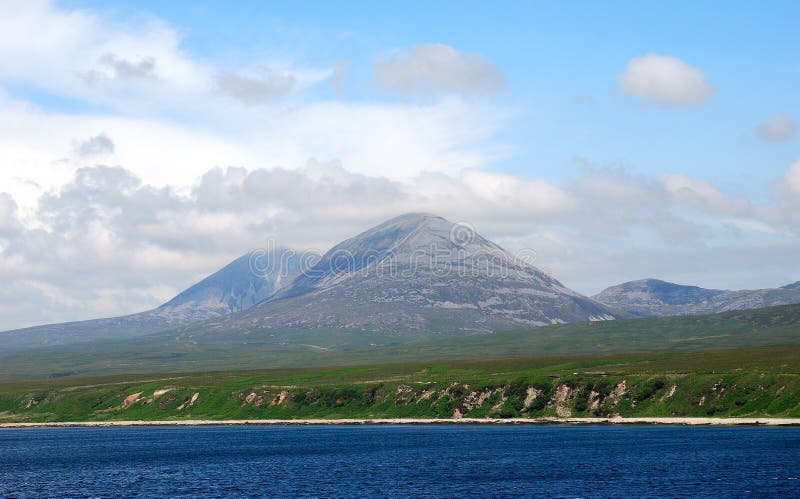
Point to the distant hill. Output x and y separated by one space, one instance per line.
165 352
233 288
652 297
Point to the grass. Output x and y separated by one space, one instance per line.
756 382
272 348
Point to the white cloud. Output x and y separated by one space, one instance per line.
139 72
171 118
254 90
112 68
339 75
8 215
665 80
793 177
777 128
437 68
99 145
393 140
88 55
134 65
702 195
518 196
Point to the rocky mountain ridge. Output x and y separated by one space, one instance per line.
653 297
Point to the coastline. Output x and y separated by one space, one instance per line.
677 421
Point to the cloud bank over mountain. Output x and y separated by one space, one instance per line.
107 243
135 158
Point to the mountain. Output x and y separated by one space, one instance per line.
233 288
652 297
237 286
417 273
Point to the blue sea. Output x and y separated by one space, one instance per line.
400 461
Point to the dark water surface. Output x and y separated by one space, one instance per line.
401 461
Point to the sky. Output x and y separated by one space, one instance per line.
145 144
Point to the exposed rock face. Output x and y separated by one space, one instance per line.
420 273
131 399
651 297
238 286
189 402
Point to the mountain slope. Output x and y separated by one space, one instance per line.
415 274
233 288
237 286
652 297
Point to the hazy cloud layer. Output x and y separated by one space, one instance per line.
777 128
665 80
437 68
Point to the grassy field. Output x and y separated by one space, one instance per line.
261 349
760 382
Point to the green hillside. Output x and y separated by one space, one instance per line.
755 382
272 348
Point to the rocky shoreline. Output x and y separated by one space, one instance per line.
689 421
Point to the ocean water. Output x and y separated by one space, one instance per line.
400 461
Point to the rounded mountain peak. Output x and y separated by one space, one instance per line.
414 232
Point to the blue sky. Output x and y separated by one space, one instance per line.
619 140
551 54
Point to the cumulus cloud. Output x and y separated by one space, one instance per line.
8 215
665 80
253 90
777 128
614 203
114 68
437 68
394 140
702 195
528 197
793 177
98 145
